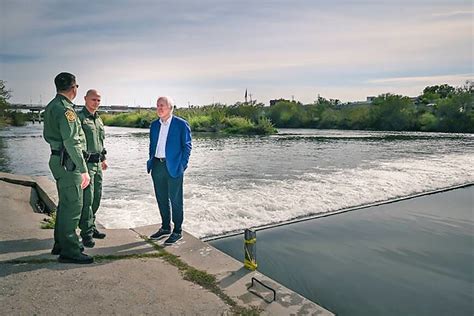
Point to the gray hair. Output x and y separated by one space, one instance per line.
168 100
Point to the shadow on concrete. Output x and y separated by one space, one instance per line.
233 277
36 262
22 245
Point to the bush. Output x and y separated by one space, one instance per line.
201 123
428 122
237 125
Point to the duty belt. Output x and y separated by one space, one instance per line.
88 157
92 157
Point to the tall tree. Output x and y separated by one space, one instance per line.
4 96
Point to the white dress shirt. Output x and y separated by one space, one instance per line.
161 146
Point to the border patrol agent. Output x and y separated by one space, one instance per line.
62 130
93 128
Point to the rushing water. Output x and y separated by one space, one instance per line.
238 182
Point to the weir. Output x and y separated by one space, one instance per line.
344 210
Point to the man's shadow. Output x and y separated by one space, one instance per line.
44 259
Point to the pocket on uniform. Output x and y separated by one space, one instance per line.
55 166
72 193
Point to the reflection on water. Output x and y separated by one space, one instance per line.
407 258
4 159
237 182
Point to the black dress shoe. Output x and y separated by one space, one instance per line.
81 259
88 242
97 234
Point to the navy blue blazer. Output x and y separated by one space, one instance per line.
178 146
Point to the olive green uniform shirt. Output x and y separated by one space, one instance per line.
93 129
62 128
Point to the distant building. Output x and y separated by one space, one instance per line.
371 98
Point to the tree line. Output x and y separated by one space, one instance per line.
440 108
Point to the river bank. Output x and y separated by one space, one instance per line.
131 274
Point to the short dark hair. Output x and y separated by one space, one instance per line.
64 81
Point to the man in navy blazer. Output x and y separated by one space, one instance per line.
170 148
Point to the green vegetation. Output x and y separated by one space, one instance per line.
440 108
134 119
9 117
48 223
247 119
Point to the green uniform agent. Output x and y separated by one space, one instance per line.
62 130
93 128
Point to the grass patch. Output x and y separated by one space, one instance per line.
48 223
31 261
152 255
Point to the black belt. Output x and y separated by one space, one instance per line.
89 157
92 157
160 159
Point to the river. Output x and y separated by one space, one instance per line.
238 182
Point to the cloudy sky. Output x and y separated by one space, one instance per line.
205 51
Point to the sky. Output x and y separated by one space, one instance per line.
204 52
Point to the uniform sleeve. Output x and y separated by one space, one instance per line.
69 126
102 133
186 144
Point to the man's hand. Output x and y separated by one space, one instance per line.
104 165
85 180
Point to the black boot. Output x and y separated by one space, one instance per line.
81 259
97 234
88 242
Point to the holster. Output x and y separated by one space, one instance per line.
66 160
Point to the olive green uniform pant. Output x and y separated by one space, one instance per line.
92 197
69 209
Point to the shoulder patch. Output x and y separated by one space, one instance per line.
70 115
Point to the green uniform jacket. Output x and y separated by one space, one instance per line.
93 129
62 128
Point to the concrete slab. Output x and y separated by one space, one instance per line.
17 179
120 242
235 280
20 233
47 192
131 287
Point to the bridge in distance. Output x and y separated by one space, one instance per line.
37 108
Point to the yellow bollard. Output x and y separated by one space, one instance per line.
250 249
